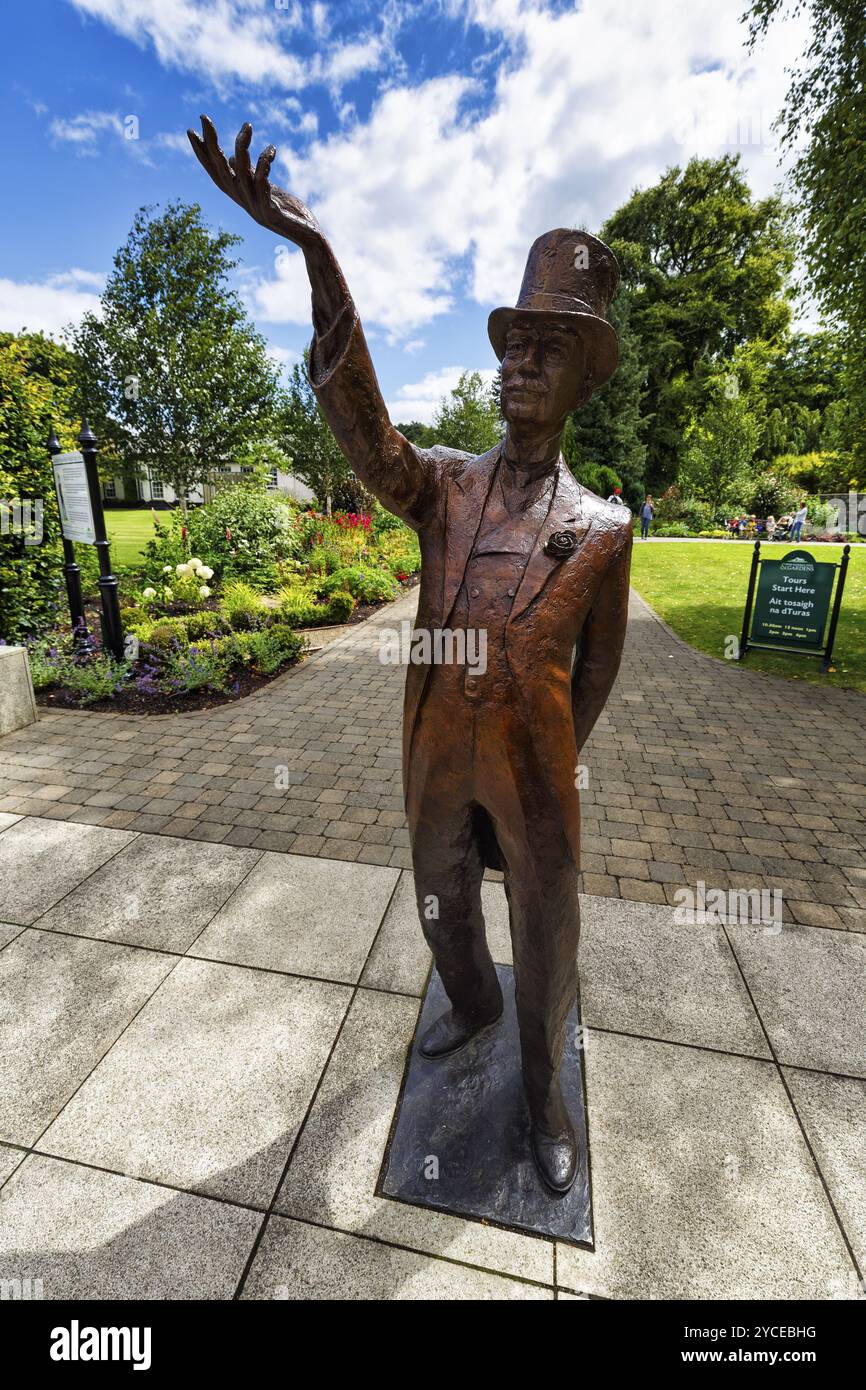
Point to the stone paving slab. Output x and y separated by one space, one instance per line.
833 1112
698 769
703 1186
208 1088
63 1002
89 1234
157 892
810 988
310 1262
302 915
41 861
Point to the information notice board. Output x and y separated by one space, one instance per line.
790 605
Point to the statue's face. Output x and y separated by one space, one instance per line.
543 373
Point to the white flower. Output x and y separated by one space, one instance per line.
205 572
182 571
148 593
204 591
166 569
195 564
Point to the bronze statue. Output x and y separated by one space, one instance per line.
512 545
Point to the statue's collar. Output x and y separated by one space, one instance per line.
528 465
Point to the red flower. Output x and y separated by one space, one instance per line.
228 534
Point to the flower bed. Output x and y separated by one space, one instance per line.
197 634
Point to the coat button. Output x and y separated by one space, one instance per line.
511 593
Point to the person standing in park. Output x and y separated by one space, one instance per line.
647 512
616 497
799 522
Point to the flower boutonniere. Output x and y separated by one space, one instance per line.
561 544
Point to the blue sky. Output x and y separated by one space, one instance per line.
434 139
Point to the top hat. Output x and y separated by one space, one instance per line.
570 279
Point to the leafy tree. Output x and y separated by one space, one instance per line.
705 266
823 121
316 456
172 374
35 395
608 429
468 419
416 433
720 447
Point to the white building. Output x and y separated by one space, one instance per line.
155 491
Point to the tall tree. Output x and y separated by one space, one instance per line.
172 373
469 418
823 120
608 429
306 436
706 267
720 446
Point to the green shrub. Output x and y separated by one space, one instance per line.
241 605
97 678
676 531
243 534
323 560
367 585
167 634
205 624
340 607
47 659
300 610
132 616
271 648
205 665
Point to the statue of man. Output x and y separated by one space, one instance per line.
511 546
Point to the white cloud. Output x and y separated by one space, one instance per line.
441 191
231 40
48 306
283 356
86 128
420 399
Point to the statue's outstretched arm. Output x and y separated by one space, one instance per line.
341 371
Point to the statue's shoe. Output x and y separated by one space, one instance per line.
555 1157
451 1032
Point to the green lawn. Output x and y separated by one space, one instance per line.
128 529
700 589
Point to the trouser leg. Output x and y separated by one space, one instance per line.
545 926
541 887
448 867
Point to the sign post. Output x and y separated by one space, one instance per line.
71 572
788 604
82 519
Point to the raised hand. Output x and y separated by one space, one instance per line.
252 189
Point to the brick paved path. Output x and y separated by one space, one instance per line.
698 770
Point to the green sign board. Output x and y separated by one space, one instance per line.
792 602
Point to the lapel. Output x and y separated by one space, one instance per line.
565 513
467 495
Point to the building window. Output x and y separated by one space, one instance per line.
272 480
109 488
157 490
